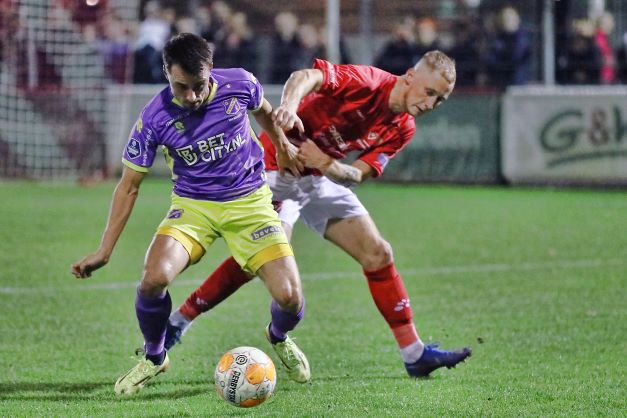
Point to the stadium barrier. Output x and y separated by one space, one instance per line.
458 143
565 135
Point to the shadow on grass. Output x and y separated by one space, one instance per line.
103 391
351 377
61 391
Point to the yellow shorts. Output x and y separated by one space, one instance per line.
249 225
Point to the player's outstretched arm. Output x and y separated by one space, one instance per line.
287 153
122 204
344 174
300 84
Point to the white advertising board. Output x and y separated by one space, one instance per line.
565 135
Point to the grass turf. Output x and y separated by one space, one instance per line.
533 279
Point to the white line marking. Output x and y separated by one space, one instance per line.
427 271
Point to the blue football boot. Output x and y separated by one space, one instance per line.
432 358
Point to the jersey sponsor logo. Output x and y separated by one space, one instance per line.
335 135
134 148
139 125
175 213
178 118
265 231
210 149
231 106
187 154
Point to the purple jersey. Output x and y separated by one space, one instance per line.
212 151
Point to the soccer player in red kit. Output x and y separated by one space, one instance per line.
329 111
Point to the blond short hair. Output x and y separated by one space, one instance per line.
439 61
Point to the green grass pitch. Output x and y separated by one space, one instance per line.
534 280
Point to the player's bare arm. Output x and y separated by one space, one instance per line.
122 204
287 153
300 84
334 170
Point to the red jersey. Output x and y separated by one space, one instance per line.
350 112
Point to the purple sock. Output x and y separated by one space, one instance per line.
152 314
282 322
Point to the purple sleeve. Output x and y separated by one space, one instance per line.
140 151
256 94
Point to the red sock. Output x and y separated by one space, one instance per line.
222 283
390 296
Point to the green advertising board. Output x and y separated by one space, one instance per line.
456 143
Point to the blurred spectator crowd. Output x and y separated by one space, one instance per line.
293 44
490 51
497 51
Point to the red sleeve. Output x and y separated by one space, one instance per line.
348 81
393 139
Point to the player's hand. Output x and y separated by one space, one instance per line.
313 157
288 160
83 269
286 118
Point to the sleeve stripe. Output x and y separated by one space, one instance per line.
134 166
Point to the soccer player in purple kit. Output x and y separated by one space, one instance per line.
219 191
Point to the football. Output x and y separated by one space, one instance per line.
245 377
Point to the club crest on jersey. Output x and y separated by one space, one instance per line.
231 106
180 128
134 148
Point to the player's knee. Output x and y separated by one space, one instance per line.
378 255
289 300
155 279
151 289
